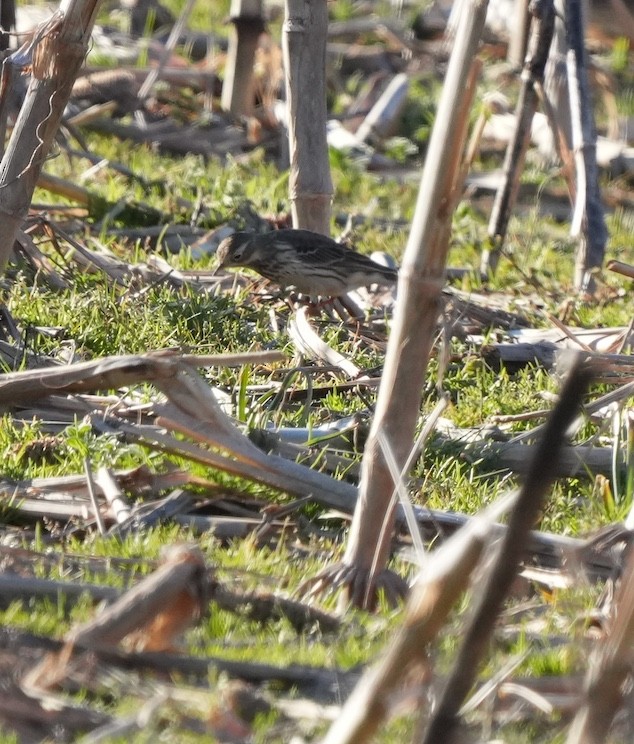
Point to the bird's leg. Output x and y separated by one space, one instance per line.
342 307
350 307
295 300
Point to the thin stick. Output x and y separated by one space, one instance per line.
93 497
176 31
533 72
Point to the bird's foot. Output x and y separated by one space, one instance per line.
315 305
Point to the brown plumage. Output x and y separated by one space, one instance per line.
309 262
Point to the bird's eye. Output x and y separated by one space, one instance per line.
237 254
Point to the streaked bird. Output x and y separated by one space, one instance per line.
306 261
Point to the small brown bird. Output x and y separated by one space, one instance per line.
309 262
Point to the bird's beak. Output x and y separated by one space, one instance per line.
217 268
219 264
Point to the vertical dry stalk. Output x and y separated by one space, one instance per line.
238 87
608 669
518 43
421 280
556 83
532 74
304 43
442 726
588 220
57 57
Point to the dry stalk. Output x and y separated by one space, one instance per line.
421 280
532 74
444 722
92 493
119 504
238 88
622 268
304 44
193 410
110 373
21 588
193 413
588 221
56 55
309 342
276 472
518 42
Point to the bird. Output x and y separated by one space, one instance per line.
309 262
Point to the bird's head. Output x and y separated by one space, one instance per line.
236 250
